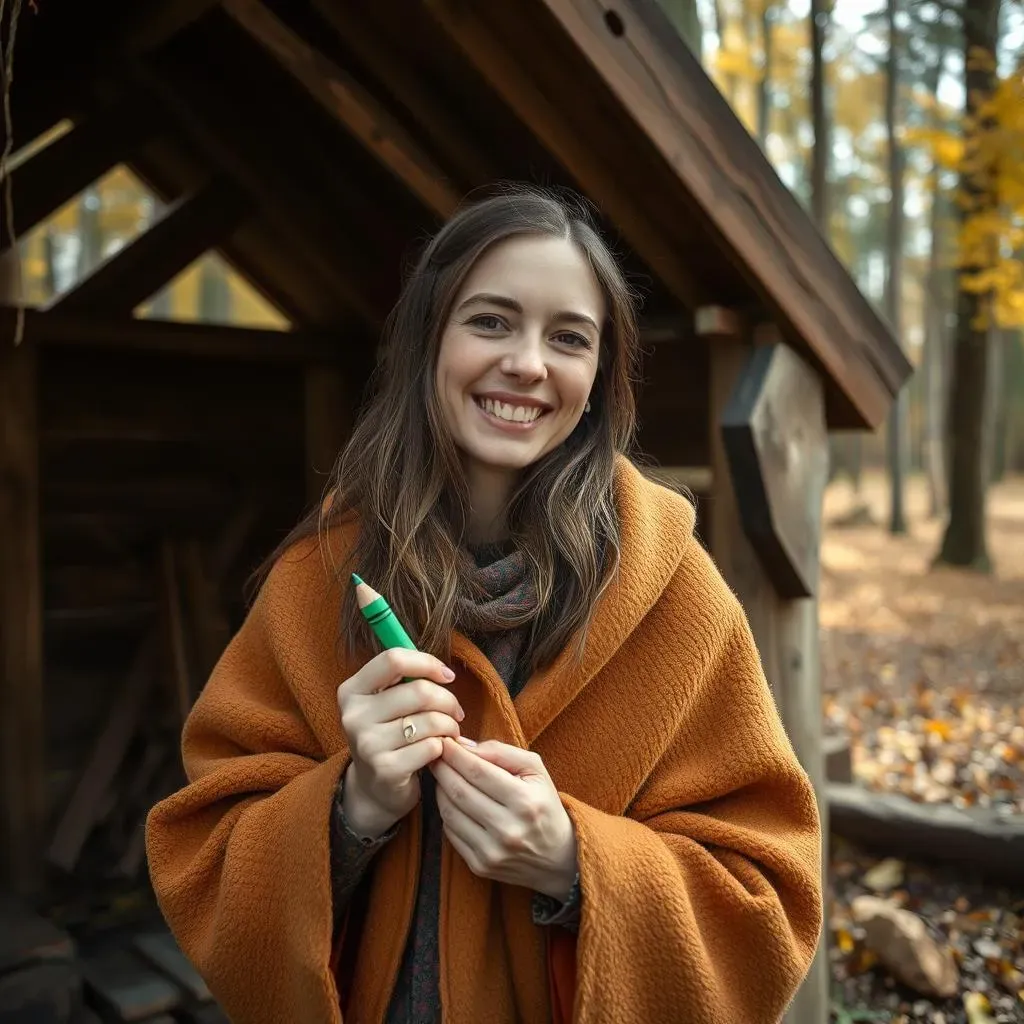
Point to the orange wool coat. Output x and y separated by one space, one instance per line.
698 834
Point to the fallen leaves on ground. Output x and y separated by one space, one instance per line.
924 670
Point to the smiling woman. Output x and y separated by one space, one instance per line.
575 800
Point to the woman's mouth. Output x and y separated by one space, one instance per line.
509 414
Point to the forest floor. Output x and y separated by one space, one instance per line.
924 669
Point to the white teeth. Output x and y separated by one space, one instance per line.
513 413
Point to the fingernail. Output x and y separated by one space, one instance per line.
461 715
467 742
448 674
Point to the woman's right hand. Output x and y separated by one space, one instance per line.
381 783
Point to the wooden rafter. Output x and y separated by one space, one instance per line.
215 128
344 99
410 90
207 341
56 174
189 228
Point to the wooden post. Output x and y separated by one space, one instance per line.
22 737
785 627
330 414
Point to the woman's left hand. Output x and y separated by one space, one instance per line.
503 815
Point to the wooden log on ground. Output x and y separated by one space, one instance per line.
976 839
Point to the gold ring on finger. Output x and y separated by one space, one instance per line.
408 729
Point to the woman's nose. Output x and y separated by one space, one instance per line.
526 359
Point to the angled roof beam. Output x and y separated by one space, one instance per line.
56 174
409 88
190 227
349 103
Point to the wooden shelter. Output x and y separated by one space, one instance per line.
146 466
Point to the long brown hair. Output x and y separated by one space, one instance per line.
400 475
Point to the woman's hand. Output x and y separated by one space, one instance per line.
503 815
394 729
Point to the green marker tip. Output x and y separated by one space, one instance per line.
356 580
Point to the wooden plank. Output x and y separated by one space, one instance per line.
22 739
54 175
349 103
659 82
108 752
206 341
507 73
189 228
410 91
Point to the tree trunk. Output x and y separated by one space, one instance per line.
964 543
996 406
896 434
819 118
764 87
934 363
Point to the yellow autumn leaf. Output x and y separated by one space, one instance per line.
942 729
977 1008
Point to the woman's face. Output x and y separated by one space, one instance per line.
519 353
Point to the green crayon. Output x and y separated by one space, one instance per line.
381 619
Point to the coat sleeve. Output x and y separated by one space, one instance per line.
711 886
240 857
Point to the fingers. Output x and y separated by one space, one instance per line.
471 801
377 741
397 765
471 841
513 759
410 698
491 779
394 665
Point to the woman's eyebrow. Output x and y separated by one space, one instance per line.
505 302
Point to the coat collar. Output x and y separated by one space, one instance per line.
656 526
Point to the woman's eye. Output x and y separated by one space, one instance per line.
573 339
488 322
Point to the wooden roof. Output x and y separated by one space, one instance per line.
314 142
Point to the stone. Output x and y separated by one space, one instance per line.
902 944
